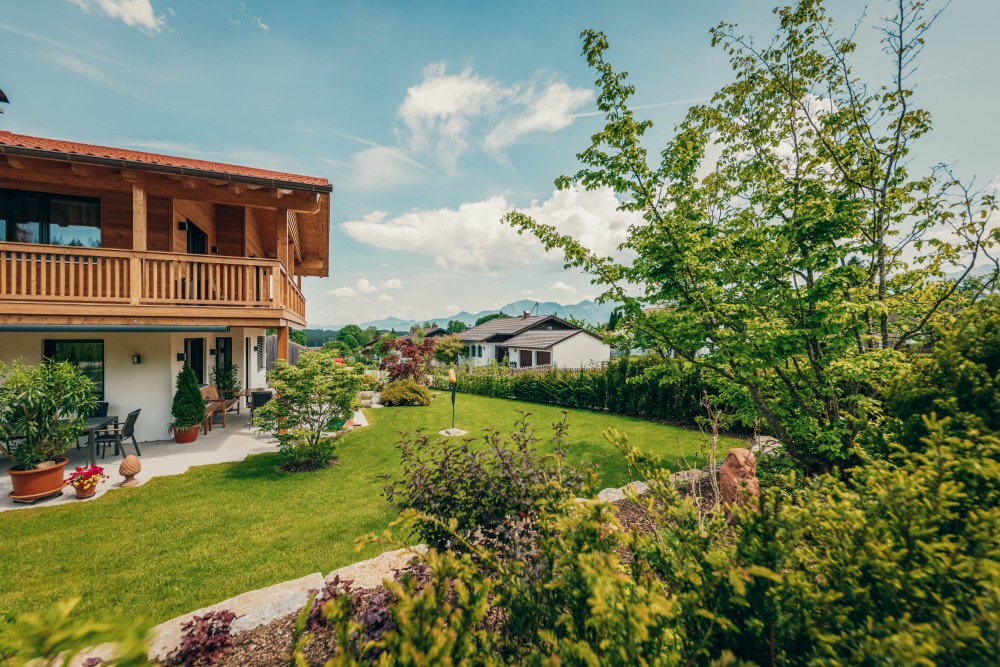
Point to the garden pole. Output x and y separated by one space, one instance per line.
454 390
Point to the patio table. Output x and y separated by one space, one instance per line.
91 426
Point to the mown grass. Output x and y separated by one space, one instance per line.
179 543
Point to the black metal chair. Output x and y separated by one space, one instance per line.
118 434
258 399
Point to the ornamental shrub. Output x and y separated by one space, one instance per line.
405 392
488 489
188 407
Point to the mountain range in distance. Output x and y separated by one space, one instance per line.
588 311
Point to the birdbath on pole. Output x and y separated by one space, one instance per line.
453 381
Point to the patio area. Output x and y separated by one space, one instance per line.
159 458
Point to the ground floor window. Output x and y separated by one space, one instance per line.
87 355
525 358
543 358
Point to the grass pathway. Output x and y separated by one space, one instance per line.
183 542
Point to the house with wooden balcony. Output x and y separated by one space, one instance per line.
132 264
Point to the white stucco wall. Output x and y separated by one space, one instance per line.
149 385
489 352
579 351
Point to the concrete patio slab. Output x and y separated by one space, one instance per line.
159 458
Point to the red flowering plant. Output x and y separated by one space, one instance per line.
87 478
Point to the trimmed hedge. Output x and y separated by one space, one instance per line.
646 387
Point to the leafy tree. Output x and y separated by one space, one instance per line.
299 337
456 326
491 316
319 337
789 249
447 349
370 334
381 348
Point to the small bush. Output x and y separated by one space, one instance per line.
188 408
205 637
489 492
370 382
405 392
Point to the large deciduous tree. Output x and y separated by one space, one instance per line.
787 247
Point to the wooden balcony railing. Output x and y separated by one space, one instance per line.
72 274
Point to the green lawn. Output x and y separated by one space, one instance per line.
183 542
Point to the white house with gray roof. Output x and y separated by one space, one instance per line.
529 341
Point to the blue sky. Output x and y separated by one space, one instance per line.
430 118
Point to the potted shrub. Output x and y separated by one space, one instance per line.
85 480
188 408
226 379
41 408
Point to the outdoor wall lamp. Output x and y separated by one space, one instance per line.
215 250
212 352
182 226
136 359
181 357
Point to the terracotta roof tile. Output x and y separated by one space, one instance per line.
127 155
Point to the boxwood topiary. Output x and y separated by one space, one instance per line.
405 392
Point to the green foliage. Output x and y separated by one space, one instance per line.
405 392
896 565
298 337
960 379
492 316
188 407
58 635
318 337
226 379
311 398
667 390
784 234
369 382
456 326
487 491
42 406
447 349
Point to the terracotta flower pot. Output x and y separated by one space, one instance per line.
38 483
85 493
184 436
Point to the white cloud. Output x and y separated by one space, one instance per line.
260 24
379 168
564 288
386 297
442 112
343 292
527 292
548 111
135 13
364 287
392 283
472 238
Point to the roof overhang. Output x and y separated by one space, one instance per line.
110 328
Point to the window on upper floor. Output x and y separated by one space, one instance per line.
38 217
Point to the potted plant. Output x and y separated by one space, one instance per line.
188 408
41 408
226 379
85 480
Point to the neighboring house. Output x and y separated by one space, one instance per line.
528 341
130 264
434 332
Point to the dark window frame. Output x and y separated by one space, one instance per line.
46 342
45 212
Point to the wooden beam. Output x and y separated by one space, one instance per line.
50 172
283 343
281 243
14 162
86 170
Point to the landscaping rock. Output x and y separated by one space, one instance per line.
372 572
689 480
738 477
252 609
615 495
765 445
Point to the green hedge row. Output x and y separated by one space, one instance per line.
644 387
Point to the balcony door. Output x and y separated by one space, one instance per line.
197 244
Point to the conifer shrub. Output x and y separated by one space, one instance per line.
405 392
188 407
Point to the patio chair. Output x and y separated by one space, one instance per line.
258 399
119 434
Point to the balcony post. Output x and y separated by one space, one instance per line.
138 240
281 225
283 343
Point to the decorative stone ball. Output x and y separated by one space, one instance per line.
130 467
